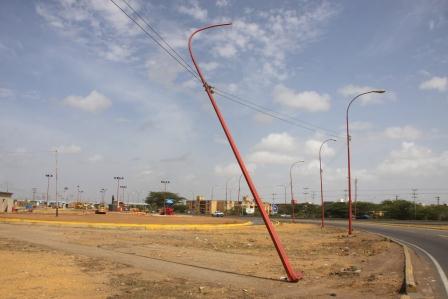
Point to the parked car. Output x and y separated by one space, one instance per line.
218 214
363 217
285 216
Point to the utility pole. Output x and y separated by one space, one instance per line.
313 196
48 185
356 194
292 276
396 197
438 200
123 187
414 196
34 194
349 180
305 193
345 194
77 196
239 191
292 189
56 182
118 178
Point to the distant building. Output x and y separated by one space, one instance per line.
7 204
202 206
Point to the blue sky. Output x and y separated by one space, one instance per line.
80 77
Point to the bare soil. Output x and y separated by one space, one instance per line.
334 265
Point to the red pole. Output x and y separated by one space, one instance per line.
292 192
292 276
321 184
350 228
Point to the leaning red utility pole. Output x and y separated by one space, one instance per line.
292 276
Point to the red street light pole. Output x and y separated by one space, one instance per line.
350 229
292 276
290 183
321 184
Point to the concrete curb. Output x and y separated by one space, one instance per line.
409 280
441 227
411 286
130 225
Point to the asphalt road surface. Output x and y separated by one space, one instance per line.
431 242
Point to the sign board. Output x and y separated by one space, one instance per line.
274 209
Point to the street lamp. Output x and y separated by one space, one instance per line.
164 195
348 159
321 184
290 183
123 187
118 178
77 188
240 204
48 185
103 191
292 276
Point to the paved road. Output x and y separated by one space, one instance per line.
433 241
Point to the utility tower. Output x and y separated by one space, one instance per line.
414 197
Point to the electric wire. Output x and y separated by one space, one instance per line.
155 40
186 64
226 95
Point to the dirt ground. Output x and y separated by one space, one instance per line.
233 263
113 217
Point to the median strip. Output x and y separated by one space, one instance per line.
130 225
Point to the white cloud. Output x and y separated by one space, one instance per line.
313 146
93 102
360 126
267 157
277 142
146 172
225 51
210 66
232 169
403 133
117 53
68 149
6 93
307 100
372 98
162 69
96 158
222 3
435 83
263 118
193 10
413 160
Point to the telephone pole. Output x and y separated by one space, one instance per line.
414 196
356 194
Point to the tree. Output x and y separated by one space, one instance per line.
156 199
398 209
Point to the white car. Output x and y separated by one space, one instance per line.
218 214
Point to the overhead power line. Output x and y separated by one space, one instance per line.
168 49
